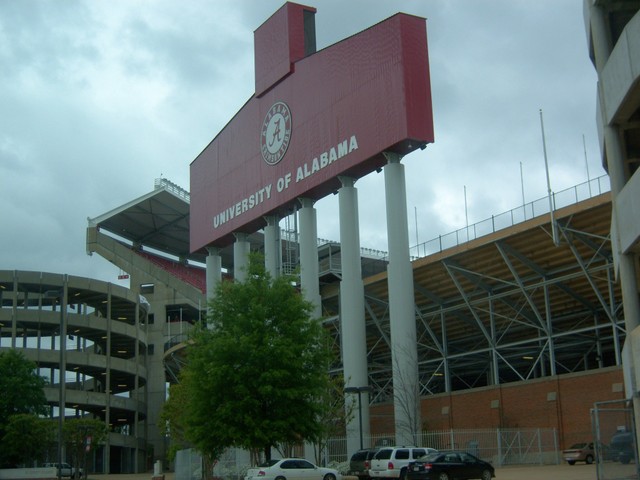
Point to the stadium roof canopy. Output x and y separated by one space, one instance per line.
159 220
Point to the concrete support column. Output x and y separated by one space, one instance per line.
626 263
404 352
353 331
272 247
214 271
309 255
241 249
64 320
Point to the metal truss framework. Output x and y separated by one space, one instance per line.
508 307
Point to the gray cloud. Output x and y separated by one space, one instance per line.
100 98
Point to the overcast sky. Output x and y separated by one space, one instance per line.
99 98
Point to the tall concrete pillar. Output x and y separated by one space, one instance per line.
272 247
352 320
241 249
213 272
309 255
404 352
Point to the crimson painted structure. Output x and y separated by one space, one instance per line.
349 102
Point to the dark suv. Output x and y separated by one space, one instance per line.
622 447
361 462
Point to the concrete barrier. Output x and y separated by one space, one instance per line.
44 473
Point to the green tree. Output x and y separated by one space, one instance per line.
27 439
21 387
21 392
256 374
76 434
172 418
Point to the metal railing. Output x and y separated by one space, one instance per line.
172 187
564 198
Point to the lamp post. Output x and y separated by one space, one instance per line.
59 295
359 391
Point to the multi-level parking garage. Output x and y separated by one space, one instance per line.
88 340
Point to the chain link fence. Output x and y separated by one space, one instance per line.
498 446
615 440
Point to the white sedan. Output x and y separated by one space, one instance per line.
292 469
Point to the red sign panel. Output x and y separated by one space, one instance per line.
333 114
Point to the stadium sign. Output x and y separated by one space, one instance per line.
314 116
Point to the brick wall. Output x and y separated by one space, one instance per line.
563 402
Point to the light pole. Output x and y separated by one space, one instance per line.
359 391
58 295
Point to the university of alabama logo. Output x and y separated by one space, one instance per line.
276 133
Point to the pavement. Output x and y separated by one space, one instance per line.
529 472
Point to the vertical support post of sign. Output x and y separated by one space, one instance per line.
354 335
309 255
272 250
241 249
214 271
404 353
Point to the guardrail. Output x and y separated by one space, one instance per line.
564 198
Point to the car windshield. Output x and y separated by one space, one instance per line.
429 457
578 445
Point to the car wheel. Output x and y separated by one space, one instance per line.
571 462
329 476
485 475
443 476
589 459
280 478
403 474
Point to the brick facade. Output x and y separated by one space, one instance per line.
563 402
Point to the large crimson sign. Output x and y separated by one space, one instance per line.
314 116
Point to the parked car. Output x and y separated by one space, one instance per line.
253 472
450 465
292 469
361 462
66 470
392 462
579 452
622 447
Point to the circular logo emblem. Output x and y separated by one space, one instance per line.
276 133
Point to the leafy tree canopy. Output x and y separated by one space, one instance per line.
255 375
21 392
80 436
171 417
21 387
27 439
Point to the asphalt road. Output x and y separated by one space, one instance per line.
543 472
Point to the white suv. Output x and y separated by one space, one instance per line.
392 462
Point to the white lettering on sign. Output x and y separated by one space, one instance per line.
304 171
242 206
326 158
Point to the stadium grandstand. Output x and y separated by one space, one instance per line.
499 304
